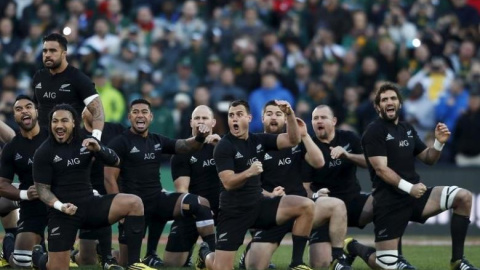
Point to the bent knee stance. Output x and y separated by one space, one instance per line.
191 207
453 196
387 259
22 258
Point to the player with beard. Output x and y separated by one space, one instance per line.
343 153
239 156
194 173
140 153
282 175
59 82
17 159
391 148
61 172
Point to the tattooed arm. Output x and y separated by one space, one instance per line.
98 116
189 145
45 194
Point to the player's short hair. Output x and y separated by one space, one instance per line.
76 119
240 102
20 97
269 103
325 106
386 87
58 38
140 101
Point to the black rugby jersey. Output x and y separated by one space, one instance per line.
399 143
110 131
140 159
17 158
66 168
200 167
235 154
338 175
70 86
282 168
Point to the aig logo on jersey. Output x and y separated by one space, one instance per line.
73 161
208 162
250 161
50 95
403 143
334 163
284 161
149 156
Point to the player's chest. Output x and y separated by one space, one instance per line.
55 89
143 152
400 142
284 158
78 158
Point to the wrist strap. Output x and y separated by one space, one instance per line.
23 195
405 186
58 205
438 145
97 133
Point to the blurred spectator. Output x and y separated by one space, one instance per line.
422 13
198 55
334 17
350 69
251 26
419 112
271 89
221 35
7 99
214 70
78 12
113 102
360 36
421 56
269 43
183 81
9 10
347 112
169 15
117 20
162 122
466 14
146 28
466 136
366 111
181 115
435 78
463 61
171 49
102 41
226 91
401 31
302 75
188 24
389 59
29 13
155 64
249 77
272 64
9 41
333 78
45 18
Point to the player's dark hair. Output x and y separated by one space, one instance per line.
20 97
140 101
326 106
65 107
58 38
386 87
241 102
269 103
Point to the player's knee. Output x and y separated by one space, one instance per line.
191 207
135 203
22 258
387 259
454 195
307 205
463 198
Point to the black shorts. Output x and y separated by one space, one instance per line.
183 235
234 223
274 234
161 206
32 217
354 210
92 213
94 234
390 220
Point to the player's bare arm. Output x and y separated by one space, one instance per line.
193 144
232 180
98 115
45 194
110 179
314 155
6 132
181 184
292 137
379 164
431 155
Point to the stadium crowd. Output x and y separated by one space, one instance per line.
179 54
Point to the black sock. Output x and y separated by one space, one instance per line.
210 240
299 243
105 243
204 253
42 262
12 231
357 249
8 246
155 230
399 247
458 230
337 252
134 226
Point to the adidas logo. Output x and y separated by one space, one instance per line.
18 156
267 157
134 150
238 155
38 86
193 160
389 137
57 159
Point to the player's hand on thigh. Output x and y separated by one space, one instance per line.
69 209
32 193
418 190
278 191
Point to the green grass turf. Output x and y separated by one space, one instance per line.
423 257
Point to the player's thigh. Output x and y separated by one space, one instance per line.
324 208
320 254
26 240
360 210
439 200
183 235
224 260
62 231
259 255
292 206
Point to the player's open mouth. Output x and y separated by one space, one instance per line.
235 127
27 120
60 133
391 110
140 124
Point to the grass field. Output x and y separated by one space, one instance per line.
424 257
